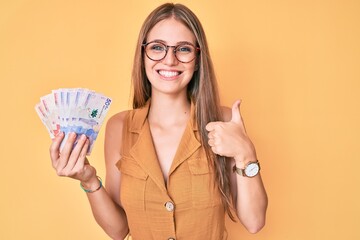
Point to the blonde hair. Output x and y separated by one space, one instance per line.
202 89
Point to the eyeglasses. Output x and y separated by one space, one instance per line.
184 52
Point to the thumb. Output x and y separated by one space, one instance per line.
236 117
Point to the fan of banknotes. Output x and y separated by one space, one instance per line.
76 110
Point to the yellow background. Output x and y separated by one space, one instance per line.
295 64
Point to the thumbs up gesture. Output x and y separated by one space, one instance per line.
229 139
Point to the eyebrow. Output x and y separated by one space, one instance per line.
178 43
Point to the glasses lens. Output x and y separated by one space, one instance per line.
155 51
185 53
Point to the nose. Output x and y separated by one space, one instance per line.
170 58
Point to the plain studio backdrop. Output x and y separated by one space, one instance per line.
295 64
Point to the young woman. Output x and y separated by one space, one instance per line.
178 161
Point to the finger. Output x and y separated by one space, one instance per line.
82 160
241 121
66 151
214 149
55 147
212 126
212 135
236 117
75 155
85 149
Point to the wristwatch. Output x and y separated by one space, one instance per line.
251 169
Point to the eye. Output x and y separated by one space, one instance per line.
184 49
157 47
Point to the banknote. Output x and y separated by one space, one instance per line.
78 110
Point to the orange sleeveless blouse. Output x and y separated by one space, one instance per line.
188 206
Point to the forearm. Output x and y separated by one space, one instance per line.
108 214
251 202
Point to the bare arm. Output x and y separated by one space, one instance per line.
106 204
250 200
250 197
229 139
73 163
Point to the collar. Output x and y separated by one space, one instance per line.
189 144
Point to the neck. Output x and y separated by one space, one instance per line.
167 110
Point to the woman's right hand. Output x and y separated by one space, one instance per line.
72 161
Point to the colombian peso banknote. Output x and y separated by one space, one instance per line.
76 110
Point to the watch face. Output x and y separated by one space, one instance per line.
252 169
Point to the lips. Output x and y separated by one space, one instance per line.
169 74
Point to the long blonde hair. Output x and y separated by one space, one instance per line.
202 89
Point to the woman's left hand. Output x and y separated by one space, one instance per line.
229 139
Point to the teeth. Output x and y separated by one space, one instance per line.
168 73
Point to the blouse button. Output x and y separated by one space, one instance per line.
170 207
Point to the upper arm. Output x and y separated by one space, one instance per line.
113 142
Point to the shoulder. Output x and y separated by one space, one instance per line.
116 121
113 135
226 113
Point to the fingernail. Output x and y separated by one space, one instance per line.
83 136
72 135
59 134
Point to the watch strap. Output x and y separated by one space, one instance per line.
239 171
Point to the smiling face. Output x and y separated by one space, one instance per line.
169 76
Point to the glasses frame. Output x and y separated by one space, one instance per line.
144 45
